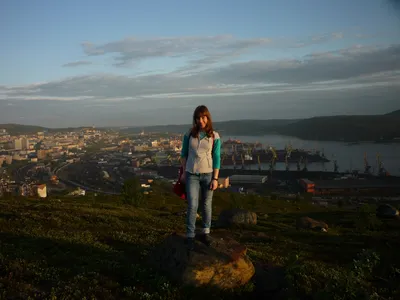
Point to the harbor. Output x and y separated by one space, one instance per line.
234 152
317 156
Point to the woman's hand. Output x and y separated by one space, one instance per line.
213 185
183 177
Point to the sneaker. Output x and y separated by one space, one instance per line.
205 239
190 243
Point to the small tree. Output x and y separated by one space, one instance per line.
131 192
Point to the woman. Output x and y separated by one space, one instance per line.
200 157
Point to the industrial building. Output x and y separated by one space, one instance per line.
247 179
351 186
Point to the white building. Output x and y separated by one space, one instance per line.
42 191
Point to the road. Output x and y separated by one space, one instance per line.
20 173
86 188
75 184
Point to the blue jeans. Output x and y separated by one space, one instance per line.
195 184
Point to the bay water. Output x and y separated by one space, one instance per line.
349 156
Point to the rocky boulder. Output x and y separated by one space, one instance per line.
236 216
386 211
223 265
309 223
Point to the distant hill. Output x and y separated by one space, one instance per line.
346 128
234 127
17 129
394 113
331 128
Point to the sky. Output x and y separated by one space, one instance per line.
138 63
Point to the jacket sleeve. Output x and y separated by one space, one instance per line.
185 146
217 151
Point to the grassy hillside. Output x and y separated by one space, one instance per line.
97 247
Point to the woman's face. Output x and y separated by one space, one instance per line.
202 122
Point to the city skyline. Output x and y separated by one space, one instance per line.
135 64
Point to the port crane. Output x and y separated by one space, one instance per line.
273 159
367 167
381 169
335 166
274 155
305 169
242 159
286 162
288 150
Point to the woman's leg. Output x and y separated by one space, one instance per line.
192 192
206 203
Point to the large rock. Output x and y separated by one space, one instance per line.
236 216
386 211
224 264
309 223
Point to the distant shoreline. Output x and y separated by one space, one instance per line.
349 142
341 128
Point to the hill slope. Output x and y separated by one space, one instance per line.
346 128
395 113
19 129
333 128
233 127
97 247
15 129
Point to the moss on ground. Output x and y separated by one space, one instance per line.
96 248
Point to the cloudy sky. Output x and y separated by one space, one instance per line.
134 63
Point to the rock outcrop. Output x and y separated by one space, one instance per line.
223 265
236 216
386 211
309 223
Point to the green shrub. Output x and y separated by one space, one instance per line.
132 193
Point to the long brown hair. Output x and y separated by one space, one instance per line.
199 112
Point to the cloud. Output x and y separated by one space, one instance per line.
290 104
198 51
77 63
333 65
353 67
268 87
395 4
322 38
